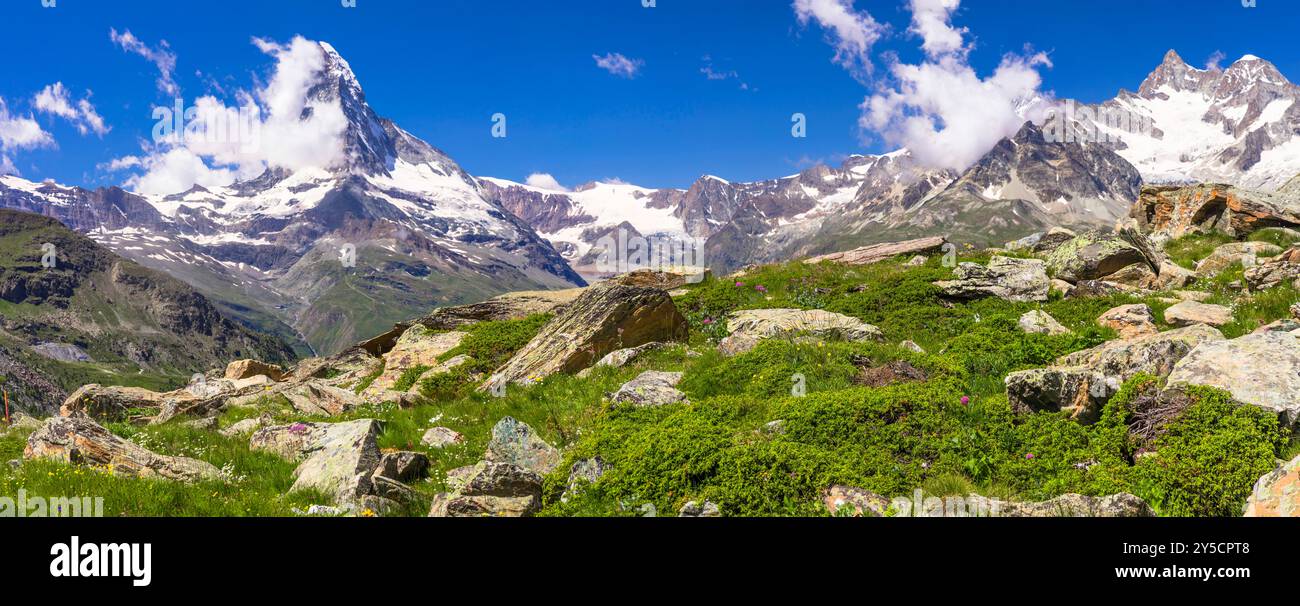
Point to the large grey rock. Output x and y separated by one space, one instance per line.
695 509
1076 390
516 443
1071 505
1094 255
1258 369
750 326
875 253
417 347
490 489
79 440
317 398
583 473
1004 277
1041 323
1154 354
340 460
650 388
441 437
1130 321
622 357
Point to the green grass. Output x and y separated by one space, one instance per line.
1189 249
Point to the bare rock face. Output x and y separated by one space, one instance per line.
1258 369
1130 321
1277 493
1004 277
1174 211
1191 312
1041 323
79 440
244 369
749 326
875 253
1274 270
606 317
651 388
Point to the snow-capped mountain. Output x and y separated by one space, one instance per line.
272 250
1239 125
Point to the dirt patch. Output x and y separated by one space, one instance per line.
898 371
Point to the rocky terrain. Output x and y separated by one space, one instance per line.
1144 369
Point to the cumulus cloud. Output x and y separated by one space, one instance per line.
544 181
16 133
273 126
55 100
617 64
941 109
851 32
161 56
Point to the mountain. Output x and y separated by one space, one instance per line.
1239 125
270 250
92 316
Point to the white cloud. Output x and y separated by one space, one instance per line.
617 64
220 144
851 32
161 56
940 109
720 75
544 181
54 99
18 132
1213 62
7 166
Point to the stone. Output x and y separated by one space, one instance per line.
246 426
1277 493
1173 211
1234 253
1094 255
911 346
442 368
79 440
1041 323
875 253
1258 369
650 388
418 346
1137 275
1025 243
1191 312
243 369
1269 273
402 466
1065 289
1173 275
916 261
1099 288
441 437
491 489
1069 505
1130 321
694 509
109 403
622 357
847 501
340 460
1052 240
1007 278
206 424
1078 391
749 326
605 318
516 443
316 398
1192 295
665 280
584 473
1154 354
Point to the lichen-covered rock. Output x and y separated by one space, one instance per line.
1277 493
441 437
403 466
1094 255
843 501
418 346
340 459
1258 369
516 443
1187 313
317 398
1004 277
243 369
875 253
1077 390
650 388
81 441
1041 323
1130 321
1137 275
1246 254
1070 505
442 368
1174 211
1154 354
606 317
491 489
695 509
1268 273
584 472
749 326
1052 240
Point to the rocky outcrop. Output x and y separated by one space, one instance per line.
1277 493
1070 505
651 388
1187 313
605 318
749 326
1258 369
1245 254
1276 270
245 369
1154 354
1039 322
79 440
1095 255
338 459
516 443
875 253
418 346
1172 211
1004 277
317 398
490 489
135 404
1076 390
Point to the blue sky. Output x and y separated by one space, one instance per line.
442 68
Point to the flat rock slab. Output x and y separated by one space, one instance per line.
1007 278
1187 313
1258 369
750 326
875 253
82 441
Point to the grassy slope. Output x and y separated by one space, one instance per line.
889 439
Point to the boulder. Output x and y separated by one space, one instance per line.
1004 277
200 398
80 440
1247 254
402 466
651 388
1187 313
1130 321
1025 243
584 472
1172 275
1041 323
1052 240
1277 493
490 489
339 460
1094 255
418 346
109 403
317 398
1077 390
1154 354
345 368
243 369
749 326
1258 369
1137 275
441 437
695 509
848 501
606 317
621 357
665 280
1070 505
875 253
1173 211
1277 270
516 443
246 426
